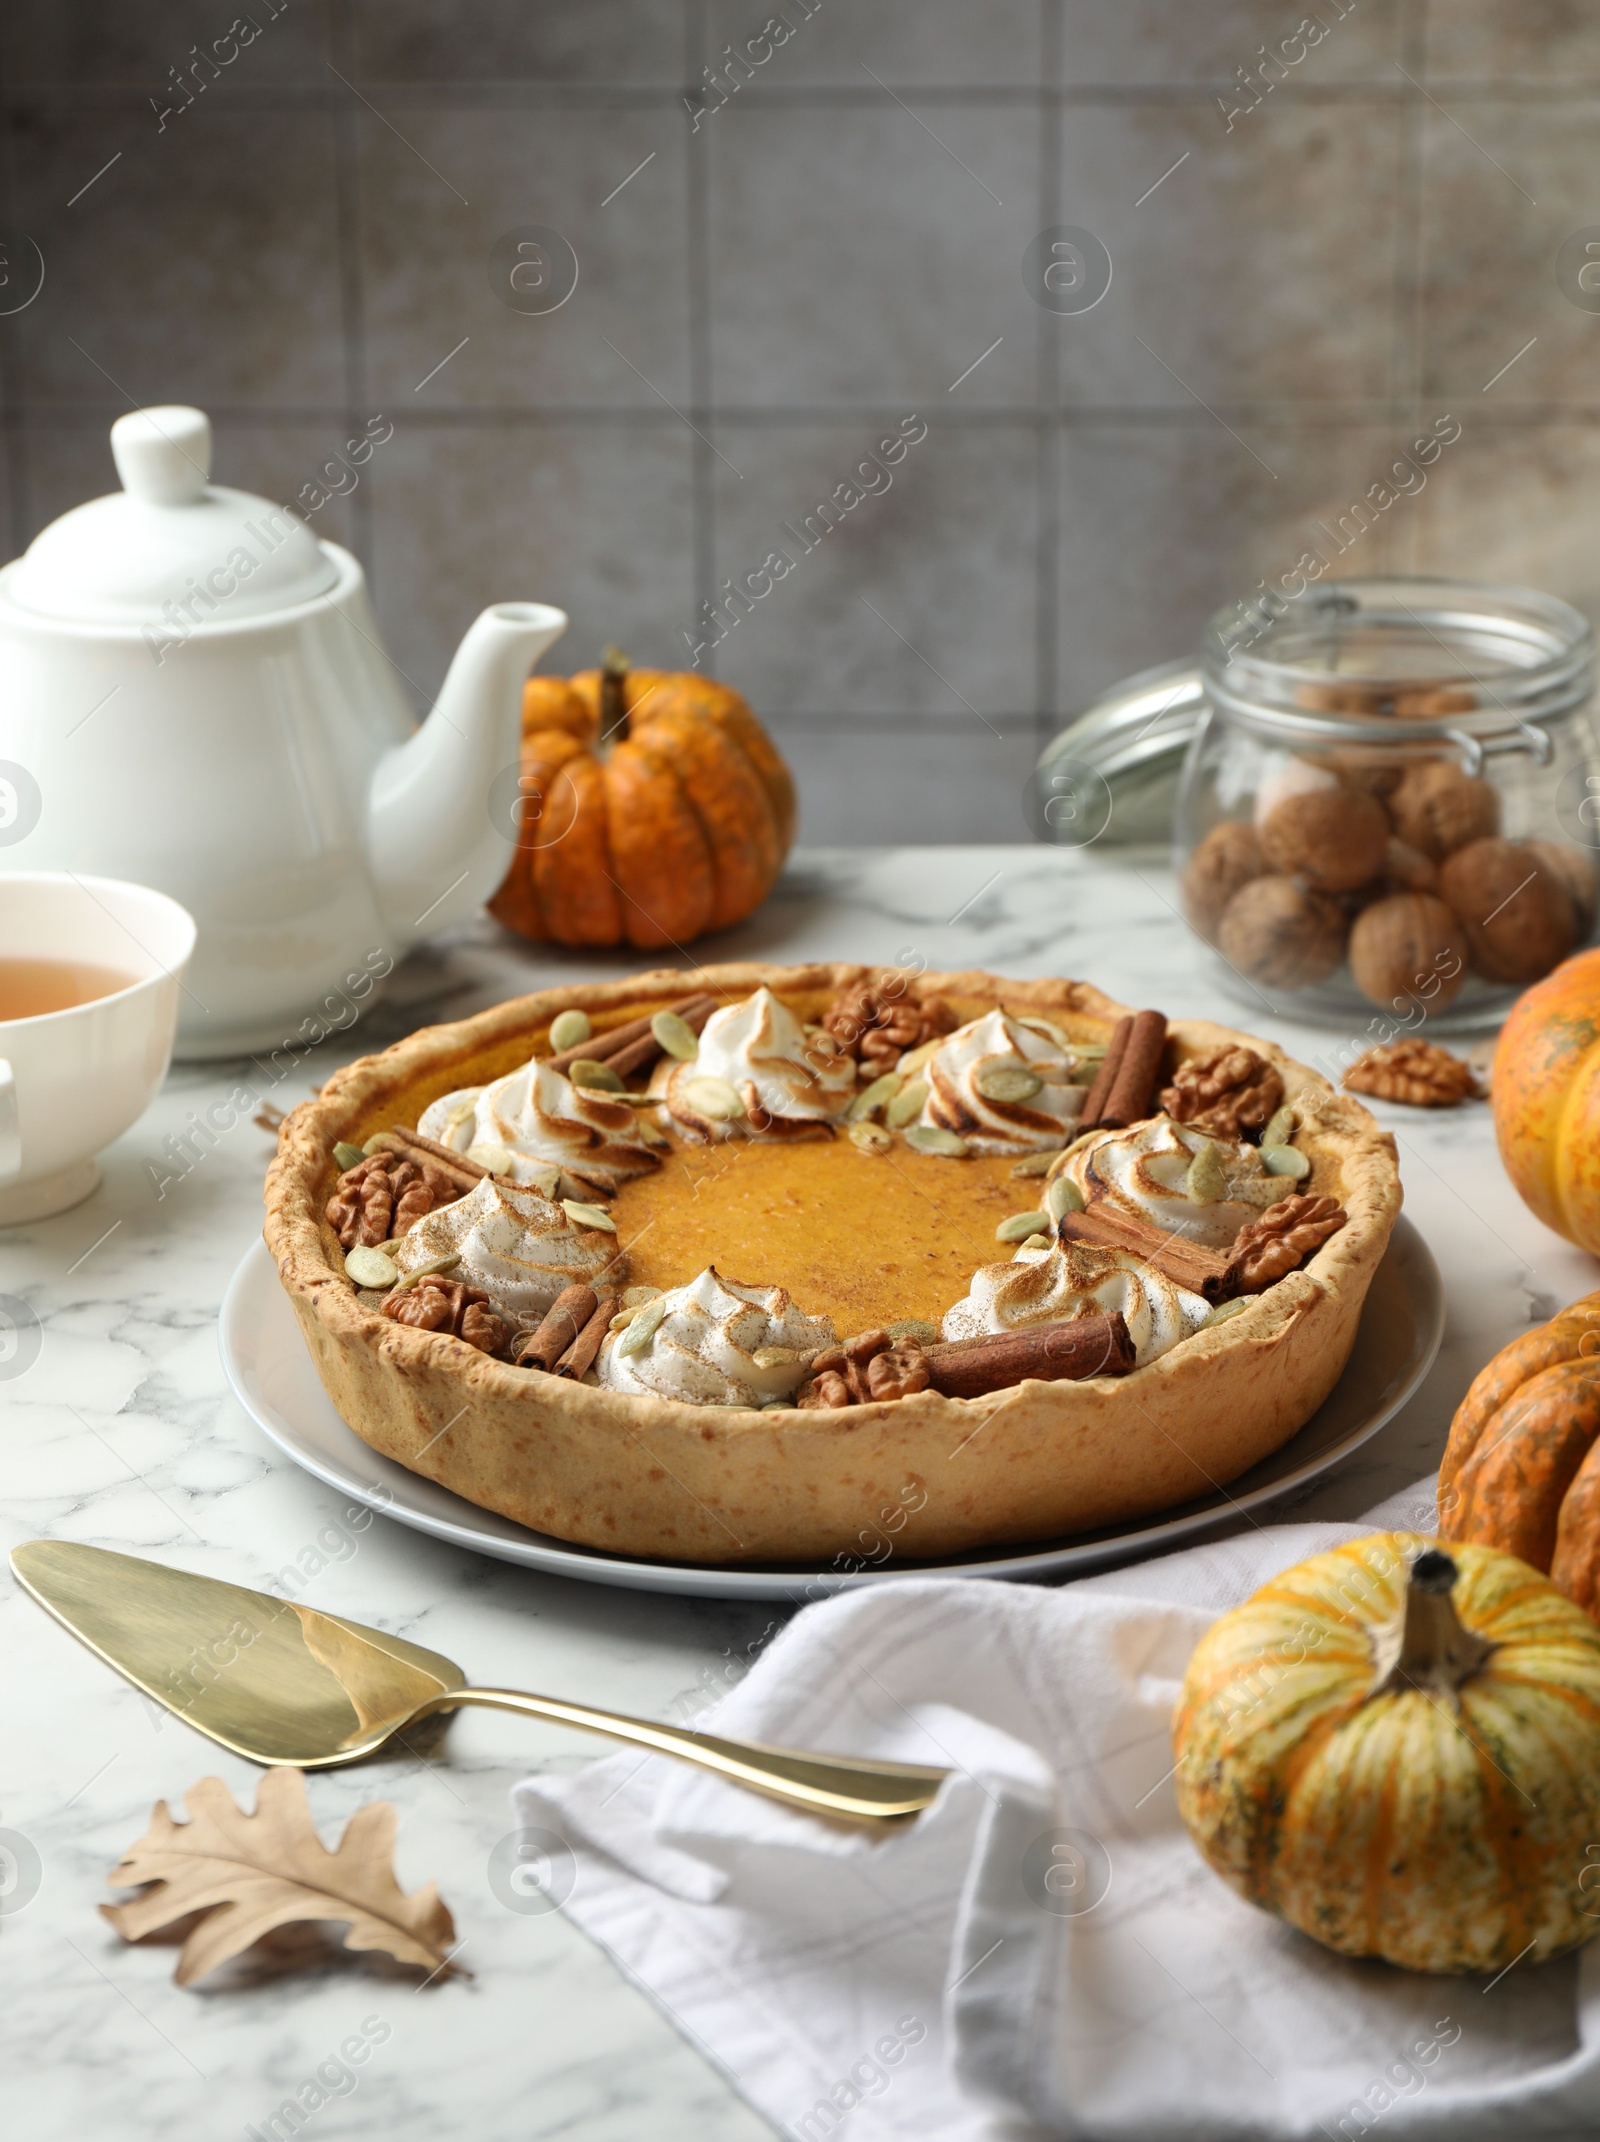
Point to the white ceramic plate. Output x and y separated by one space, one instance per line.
274 1380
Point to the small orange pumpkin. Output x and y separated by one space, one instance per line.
654 808
1521 1471
1547 1099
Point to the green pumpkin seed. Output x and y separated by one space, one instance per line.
587 1215
869 1137
914 1059
643 1328
567 1029
1062 1196
777 1405
1037 1242
907 1104
1035 1164
1020 1225
915 1327
1207 1179
777 1356
871 1098
426 1271
373 1145
636 1297
1285 1160
595 1076
370 1268
493 1159
1281 1129
930 1138
346 1155
1045 1027
1008 1082
676 1036
1224 1310
713 1098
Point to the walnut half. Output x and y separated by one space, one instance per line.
1285 1234
869 1366
1417 1072
382 1196
1225 1095
440 1304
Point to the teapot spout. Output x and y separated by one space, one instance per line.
438 846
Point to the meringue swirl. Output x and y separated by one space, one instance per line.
1049 1286
997 1042
513 1242
788 1083
1142 1173
703 1345
543 1120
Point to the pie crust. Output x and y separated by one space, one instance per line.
645 1476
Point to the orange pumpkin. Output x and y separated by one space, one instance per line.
1521 1471
654 808
1547 1099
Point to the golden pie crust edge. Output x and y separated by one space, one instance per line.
643 1476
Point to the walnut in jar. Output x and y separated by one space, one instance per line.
1334 839
1228 857
1408 945
1518 917
1572 869
1439 808
1282 933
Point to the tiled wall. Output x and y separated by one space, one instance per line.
764 295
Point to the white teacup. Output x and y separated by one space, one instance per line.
74 1079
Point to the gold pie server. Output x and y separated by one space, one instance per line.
281 1683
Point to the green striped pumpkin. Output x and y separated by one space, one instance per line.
1397 1749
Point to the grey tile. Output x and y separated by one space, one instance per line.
1513 505
904 42
201 268
594 518
606 41
435 202
920 601
1496 210
871 784
1162 525
857 258
85 41
1534 40
1172 41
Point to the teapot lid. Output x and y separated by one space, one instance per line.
170 547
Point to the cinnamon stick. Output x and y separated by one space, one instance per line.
1187 1264
578 1359
456 1165
1133 1088
567 1316
642 1053
615 1038
1105 1077
1049 1353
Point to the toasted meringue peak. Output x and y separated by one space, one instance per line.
999 1043
785 1082
703 1339
514 1243
1144 1174
542 1119
1049 1286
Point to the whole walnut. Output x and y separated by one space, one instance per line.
1228 857
1408 869
1439 809
1333 839
1518 917
1409 945
1570 867
1282 934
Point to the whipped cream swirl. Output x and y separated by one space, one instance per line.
1050 1286
1144 1173
514 1243
997 1043
704 1339
788 1083
543 1120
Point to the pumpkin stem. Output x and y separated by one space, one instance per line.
613 699
1427 1646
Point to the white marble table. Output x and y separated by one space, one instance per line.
122 1432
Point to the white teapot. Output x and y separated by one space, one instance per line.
193 696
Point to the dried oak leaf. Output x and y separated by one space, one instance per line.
251 1873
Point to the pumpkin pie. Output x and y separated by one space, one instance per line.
999 1258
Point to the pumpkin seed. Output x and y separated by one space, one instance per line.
1062 1196
777 1356
1008 1082
595 1076
1224 1310
1036 1242
1285 1160
907 1104
676 1036
1060 1160
869 1137
636 1297
1207 1179
1034 1164
643 1328
914 1059
776 1405
1020 1225
871 1098
713 1098
1046 1027
426 1271
930 1138
1281 1129
622 1319
374 1144
494 1159
915 1327
346 1155
587 1215
567 1029
653 1134
370 1268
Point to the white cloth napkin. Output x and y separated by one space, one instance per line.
946 1982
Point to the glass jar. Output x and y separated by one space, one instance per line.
1391 805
